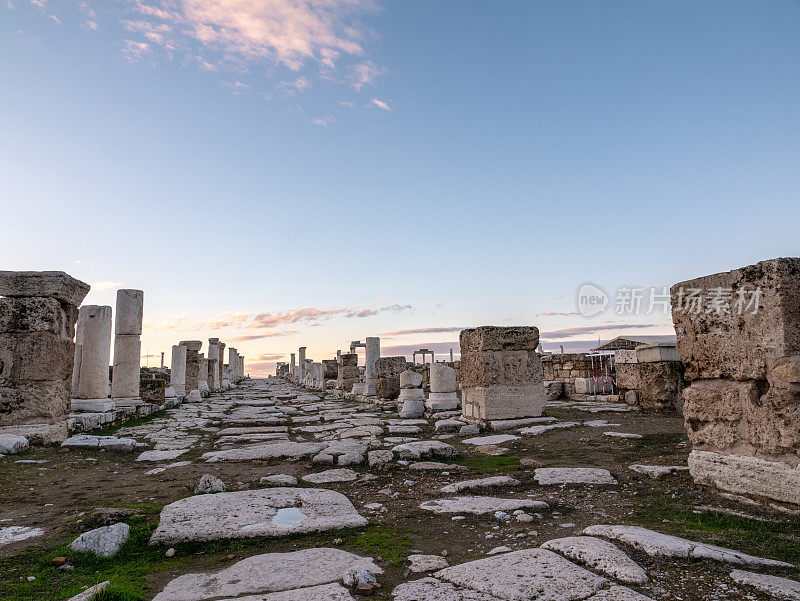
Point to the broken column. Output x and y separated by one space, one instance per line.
372 353
501 374
301 358
213 364
127 347
92 353
443 395
202 375
38 311
412 397
221 366
739 340
177 379
661 377
291 366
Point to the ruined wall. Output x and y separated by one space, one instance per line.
742 407
387 376
565 368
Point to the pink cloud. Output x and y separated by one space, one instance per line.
422 331
381 104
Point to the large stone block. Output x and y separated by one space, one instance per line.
37 314
34 401
713 410
443 378
127 359
512 367
485 403
738 343
350 360
51 284
653 353
499 338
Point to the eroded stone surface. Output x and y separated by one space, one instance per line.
656 544
599 555
573 475
103 542
780 588
337 475
480 483
250 513
479 505
268 573
278 450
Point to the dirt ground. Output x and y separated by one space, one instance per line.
58 491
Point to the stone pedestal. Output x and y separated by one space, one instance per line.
38 311
372 353
178 370
127 344
412 397
741 353
501 374
92 352
443 395
661 377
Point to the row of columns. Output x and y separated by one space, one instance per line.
312 374
193 374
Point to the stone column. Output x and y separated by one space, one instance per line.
348 372
178 370
213 361
127 345
372 354
302 361
233 363
221 366
501 374
38 311
739 341
192 378
412 397
93 350
202 375
443 395
291 366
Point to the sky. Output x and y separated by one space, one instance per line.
285 173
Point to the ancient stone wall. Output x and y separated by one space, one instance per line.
740 345
387 376
565 368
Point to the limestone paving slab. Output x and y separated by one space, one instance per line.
527 575
251 513
13 534
274 450
269 573
572 475
656 544
431 589
335 475
480 483
424 449
323 592
657 471
161 455
478 505
487 440
600 555
775 586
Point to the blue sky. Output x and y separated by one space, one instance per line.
309 173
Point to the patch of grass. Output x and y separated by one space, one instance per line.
652 446
777 540
111 430
391 543
487 464
126 570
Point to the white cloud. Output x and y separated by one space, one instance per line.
134 51
92 25
323 121
381 104
105 285
363 74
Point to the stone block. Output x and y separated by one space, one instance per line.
51 284
37 314
506 368
192 345
499 338
628 375
387 387
350 372
734 344
410 379
652 353
624 356
129 312
35 356
127 358
350 360
662 385
442 378
713 410
31 401
553 390
485 403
